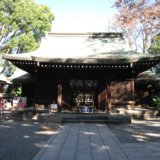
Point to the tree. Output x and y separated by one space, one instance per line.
154 49
22 25
139 19
155 45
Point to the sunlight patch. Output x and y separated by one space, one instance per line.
152 134
26 136
46 132
139 137
89 133
44 145
27 125
4 126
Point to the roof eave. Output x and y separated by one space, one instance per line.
81 60
12 57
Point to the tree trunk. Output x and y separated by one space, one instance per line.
145 41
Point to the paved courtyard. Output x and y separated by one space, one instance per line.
137 132
101 142
21 140
26 140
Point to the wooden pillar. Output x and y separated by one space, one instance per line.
59 95
108 98
132 91
99 101
84 98
35 87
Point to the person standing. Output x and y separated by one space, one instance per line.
20 109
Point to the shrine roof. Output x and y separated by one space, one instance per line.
4 79
83 48
148 76
21 76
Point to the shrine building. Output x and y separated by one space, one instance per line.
73 69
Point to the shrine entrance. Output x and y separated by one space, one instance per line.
83 92
83 98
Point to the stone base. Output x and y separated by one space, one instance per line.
139 113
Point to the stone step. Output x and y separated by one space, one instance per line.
72 120
139 113
77 118
115 119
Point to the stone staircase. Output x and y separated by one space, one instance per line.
113 119
86 118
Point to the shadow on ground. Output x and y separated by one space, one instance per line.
138 131
21 140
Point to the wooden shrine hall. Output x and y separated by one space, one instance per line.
73 69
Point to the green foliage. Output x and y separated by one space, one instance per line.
9 68
22 25
156 101
155 45
15 89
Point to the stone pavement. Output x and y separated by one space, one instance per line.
77 141
21 140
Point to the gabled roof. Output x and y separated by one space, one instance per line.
21 76
83 48
4 79
147 76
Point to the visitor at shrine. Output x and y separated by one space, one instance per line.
20 108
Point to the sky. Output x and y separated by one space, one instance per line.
80 15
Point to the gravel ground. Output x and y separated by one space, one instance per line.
21 140
138 131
